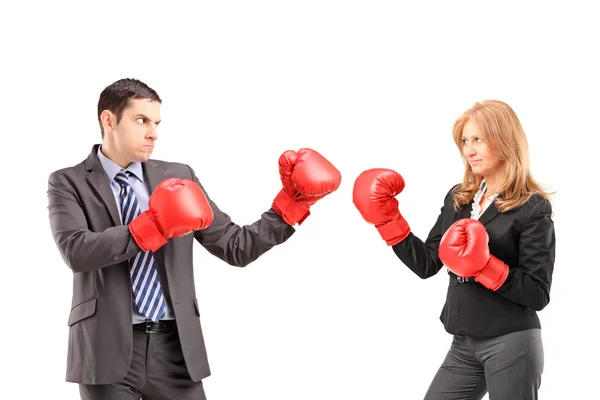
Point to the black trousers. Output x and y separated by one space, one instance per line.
508 367
157 372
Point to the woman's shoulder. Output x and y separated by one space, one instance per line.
452 191
539 202
450 195
536 204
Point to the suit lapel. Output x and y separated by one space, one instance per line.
490 213
154 174
464 213
99 183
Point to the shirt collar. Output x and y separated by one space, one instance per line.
482 188
112 169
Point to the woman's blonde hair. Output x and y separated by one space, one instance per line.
499 126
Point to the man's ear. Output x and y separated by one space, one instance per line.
109 120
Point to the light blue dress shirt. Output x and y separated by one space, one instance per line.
141 191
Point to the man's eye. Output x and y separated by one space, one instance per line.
140 120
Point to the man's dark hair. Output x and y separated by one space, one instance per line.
115 97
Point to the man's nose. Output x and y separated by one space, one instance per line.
152 133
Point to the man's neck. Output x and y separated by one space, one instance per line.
106 150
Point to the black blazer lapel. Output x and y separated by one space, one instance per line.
464 213
490 213
99 183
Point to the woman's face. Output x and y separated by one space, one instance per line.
478 154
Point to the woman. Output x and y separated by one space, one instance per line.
495 236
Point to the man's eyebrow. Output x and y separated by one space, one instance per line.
145 117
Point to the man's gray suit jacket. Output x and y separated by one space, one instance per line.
96 246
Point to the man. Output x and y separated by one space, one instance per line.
122 223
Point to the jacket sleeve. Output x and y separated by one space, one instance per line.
529 283
422 257
80 248
240 245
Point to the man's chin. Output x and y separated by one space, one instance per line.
145 156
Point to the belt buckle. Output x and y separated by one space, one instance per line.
460 279
148 327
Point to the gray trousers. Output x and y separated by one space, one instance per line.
157 372
508 367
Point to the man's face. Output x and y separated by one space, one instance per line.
132 139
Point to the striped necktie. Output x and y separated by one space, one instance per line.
147 292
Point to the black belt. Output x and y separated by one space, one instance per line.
148 326
461 279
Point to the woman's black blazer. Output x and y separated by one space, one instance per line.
522 238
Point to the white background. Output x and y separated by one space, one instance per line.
332 313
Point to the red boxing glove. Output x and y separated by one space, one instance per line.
464 250
176 208
307 177
374 196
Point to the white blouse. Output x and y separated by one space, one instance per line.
477 211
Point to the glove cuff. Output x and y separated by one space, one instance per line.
291 211
394 232
145 232
494 274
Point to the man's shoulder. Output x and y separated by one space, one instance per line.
69 171
172 167
77 169
168 164
164 163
